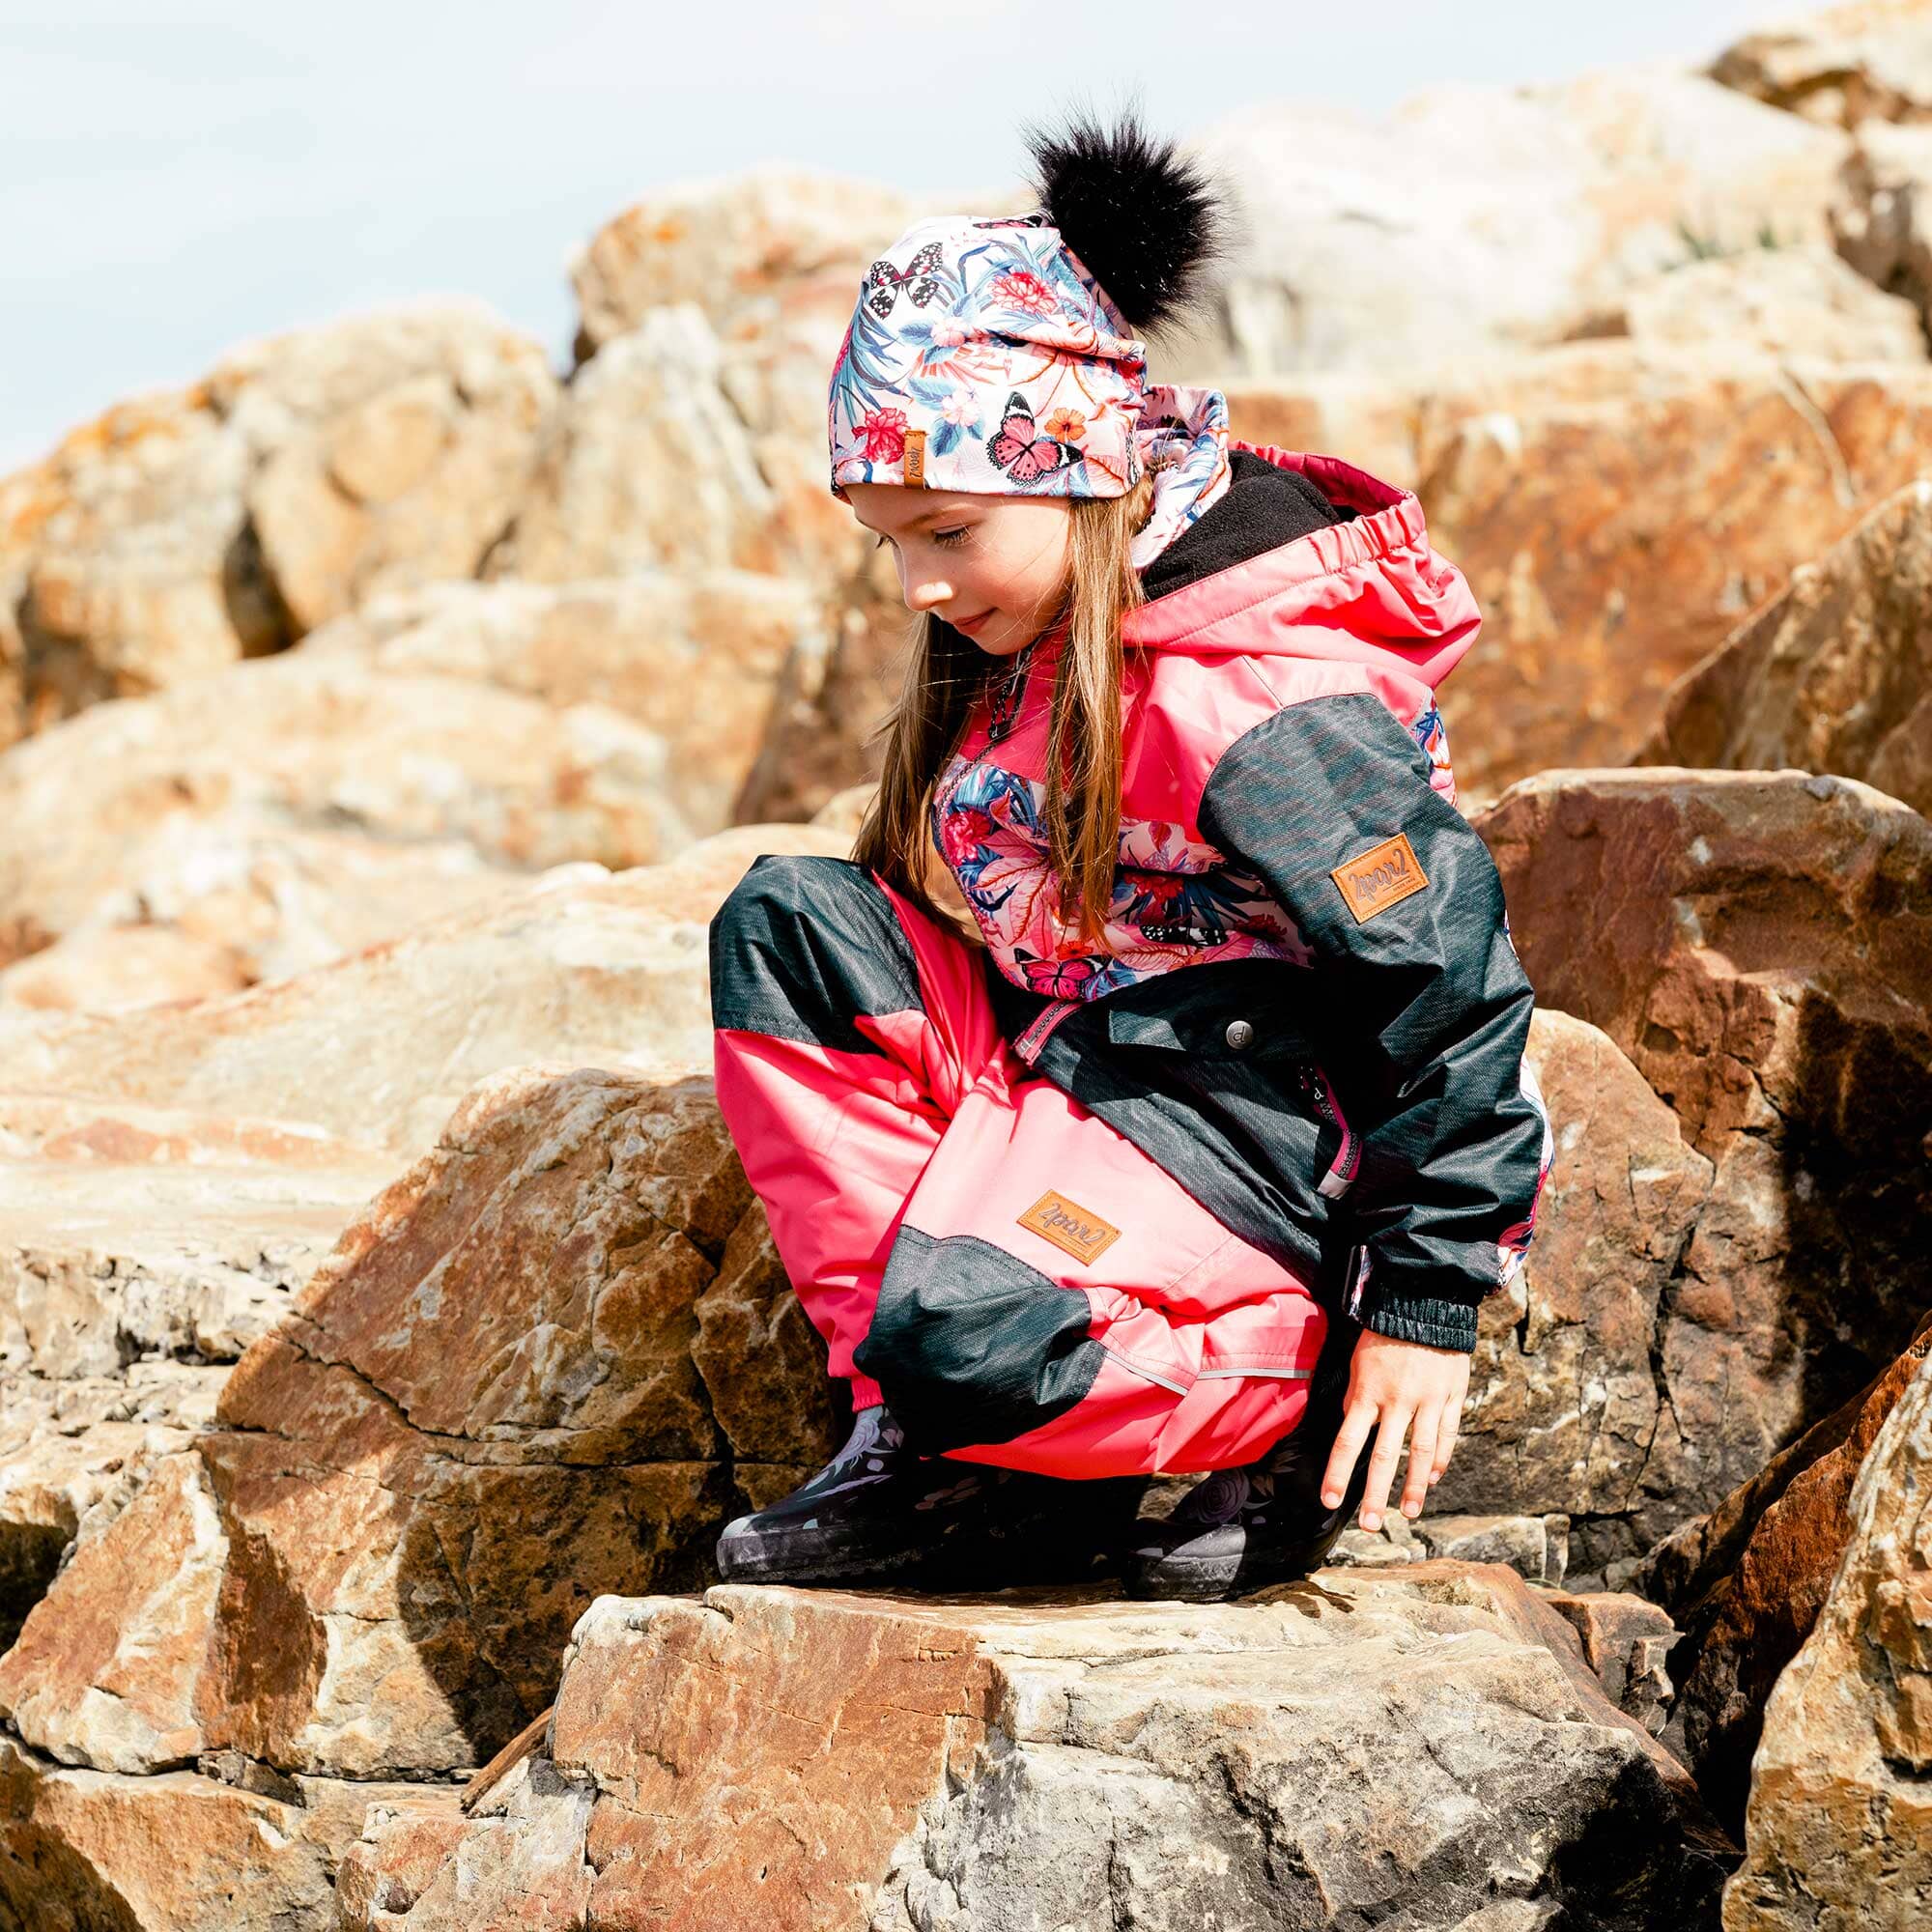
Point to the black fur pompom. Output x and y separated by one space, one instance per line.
1146 223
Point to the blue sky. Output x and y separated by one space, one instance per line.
177 178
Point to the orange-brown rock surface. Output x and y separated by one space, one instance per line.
1834 675
703 660
1368 1745
1871 60
492 1402
1839 1827
1760 945
1748 1580
184 529
580 967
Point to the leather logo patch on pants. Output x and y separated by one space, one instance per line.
1073 1230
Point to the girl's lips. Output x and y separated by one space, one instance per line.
970 624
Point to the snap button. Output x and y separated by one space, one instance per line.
1239 1035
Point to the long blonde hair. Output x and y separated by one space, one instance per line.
946 671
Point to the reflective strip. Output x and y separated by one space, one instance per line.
1279 1375
1127 1362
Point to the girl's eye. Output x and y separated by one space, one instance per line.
945 538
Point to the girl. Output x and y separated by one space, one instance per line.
1204 1159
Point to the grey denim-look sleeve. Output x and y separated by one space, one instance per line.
1422 995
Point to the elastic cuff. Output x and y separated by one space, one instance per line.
1421 1318
865 1392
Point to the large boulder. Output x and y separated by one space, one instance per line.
705 661
583 966
283 812
1567 1411
141 1250
1882 219
1871 60
1612 544
544 1363
228 1848
1760 946
1835 675
185 528
1747 1581
1501 218
1424 1746
1839 1829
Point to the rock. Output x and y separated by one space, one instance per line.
1882 218
1568 1410
772 249
1870 60
1503 218
643 465
141 1250
1760 945
180 1852
528 1374
1612 546
1840 1831
393 449
697 658
1401 1746
1802 302
583 967
1751 1579
1835 675
1535 1546
1627 1642
115 968
387 798
184 529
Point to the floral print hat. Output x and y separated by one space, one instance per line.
984 356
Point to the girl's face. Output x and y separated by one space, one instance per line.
992 567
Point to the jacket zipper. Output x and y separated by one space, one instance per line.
1341 1170
1030 1042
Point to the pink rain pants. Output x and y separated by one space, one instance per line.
1021 1284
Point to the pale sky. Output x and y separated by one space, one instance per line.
177 178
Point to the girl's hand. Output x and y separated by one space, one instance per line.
1398 1384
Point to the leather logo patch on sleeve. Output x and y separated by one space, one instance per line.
1081 1233
1382 876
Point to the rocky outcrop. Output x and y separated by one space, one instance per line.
389 798
1503 218
1748 1580
544 1363
1804 301
1418 1746
1611 545
1871 60
1839 1827
1760 946
702 659
1567 1411
581 967
1882 219
184 530
1835 675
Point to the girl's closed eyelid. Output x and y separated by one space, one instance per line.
945 538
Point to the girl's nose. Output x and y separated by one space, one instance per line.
923 596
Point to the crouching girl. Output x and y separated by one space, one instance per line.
1204 1155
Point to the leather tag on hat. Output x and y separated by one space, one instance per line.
915 459
1077 1231
1382 876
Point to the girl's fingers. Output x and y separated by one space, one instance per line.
1421 1460
1356 1422
1446 1436
1381 1464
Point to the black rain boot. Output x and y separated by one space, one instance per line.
1263 1523
876 1509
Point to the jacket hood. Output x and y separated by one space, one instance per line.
1274 579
